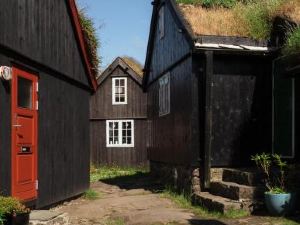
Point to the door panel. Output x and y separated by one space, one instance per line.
24 135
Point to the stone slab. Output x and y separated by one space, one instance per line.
43 215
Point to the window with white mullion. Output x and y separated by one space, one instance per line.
120 133
119 89
164 95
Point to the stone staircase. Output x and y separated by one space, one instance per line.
232 189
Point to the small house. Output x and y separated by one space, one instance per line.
118 116
209 102
46 82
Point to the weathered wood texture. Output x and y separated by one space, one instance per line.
5 134
102 109
63 153
171 137
171 48
101 155
241 109
39 35
43 32
101 102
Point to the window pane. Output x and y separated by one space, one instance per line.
111 133
122 82
129 140
124 133
128 125
116 141
117 82
117 99
110 125
111 141
122 99
124 140
24 93
129 133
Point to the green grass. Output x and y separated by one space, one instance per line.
292 44
110 172
282 221
91 195
211 3
114 221
184 201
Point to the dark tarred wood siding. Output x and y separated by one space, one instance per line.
43 32
101 109
39 35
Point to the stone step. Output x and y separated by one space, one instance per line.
235 191
220 204
47 217
242 176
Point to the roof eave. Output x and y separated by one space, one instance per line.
81 42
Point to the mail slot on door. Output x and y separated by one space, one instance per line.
25 149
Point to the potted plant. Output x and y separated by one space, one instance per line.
277 198
13 212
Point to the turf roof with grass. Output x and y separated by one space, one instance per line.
242 18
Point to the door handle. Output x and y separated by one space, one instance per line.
17 125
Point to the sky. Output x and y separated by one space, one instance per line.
122 26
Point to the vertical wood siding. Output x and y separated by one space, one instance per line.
171 48
42 31
170 136
101 109
63 153
101 155
5 133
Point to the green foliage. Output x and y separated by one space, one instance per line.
110 172
274 169
210 3
292 45
91 194
92 41
115 221
10 206
183 200
256 17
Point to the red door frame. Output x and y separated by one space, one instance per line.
31 194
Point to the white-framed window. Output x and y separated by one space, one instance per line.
119 91
161 22
164 94
119 133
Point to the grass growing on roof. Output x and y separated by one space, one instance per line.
292 45
110 172
91 39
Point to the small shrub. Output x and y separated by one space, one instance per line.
292 45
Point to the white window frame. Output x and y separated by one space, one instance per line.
165 94
114 90
161 22
120 136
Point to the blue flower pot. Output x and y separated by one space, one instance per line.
280 204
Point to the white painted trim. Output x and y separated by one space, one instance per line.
108 145
165 98
113 91
228 46
161 22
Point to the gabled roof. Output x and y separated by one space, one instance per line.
81 42
125 66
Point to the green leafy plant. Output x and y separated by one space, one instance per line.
11 206
91 194
274 169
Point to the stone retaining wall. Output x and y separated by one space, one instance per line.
184 179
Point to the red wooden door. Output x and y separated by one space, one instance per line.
24 135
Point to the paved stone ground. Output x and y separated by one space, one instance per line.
136 202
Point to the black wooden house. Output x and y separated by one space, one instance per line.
209 101
118 116
46 82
